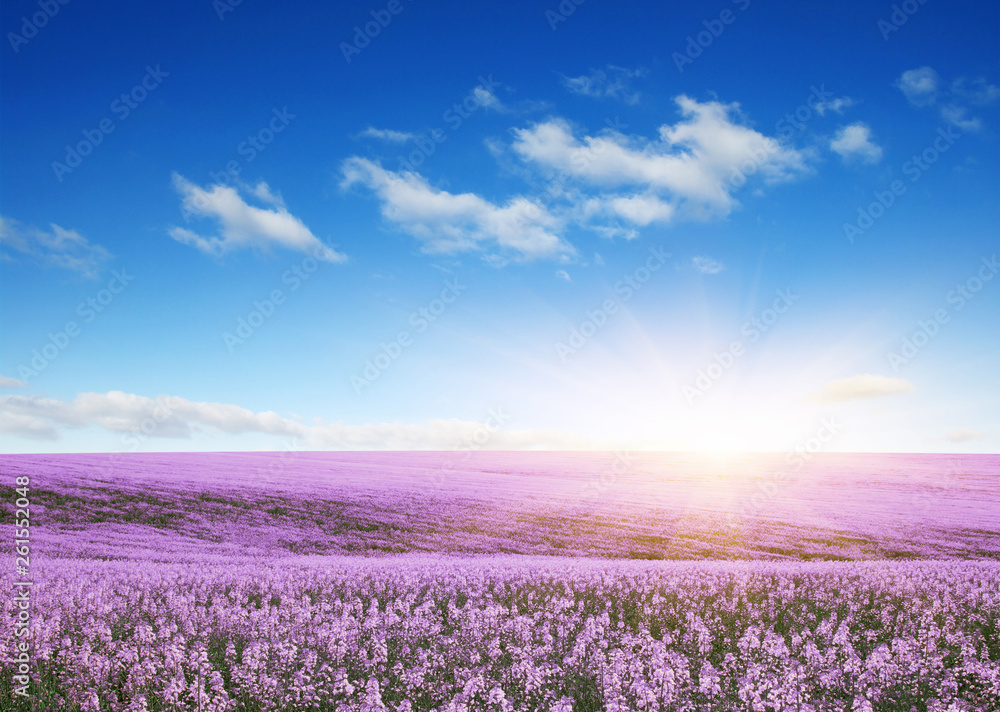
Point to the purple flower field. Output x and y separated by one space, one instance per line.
510 581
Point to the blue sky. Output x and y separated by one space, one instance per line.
729 226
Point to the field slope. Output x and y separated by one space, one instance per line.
612 505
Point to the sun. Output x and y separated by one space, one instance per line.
718 433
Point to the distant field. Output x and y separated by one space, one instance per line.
622 505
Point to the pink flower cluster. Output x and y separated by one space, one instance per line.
410 633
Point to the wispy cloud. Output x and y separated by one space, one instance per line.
641 210
611 82
962 435
55 247
919 86
8 382
976 91
836 105
923 87
487 99
614 232
262 192
387 135
120 412
958 117
706 265
494 260
450 222
26 426
242 225
563 275
854 142
860 387
130 414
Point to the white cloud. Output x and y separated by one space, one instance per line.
861 387
598 260
612 232
132 415
55 247
961 435
120 412
487 99
8 382
706 265
26 426
957 117
263 193
976 91
563 275
836 105
609 184
920 86
697 160
242 225
614 82
854 141
639 209
449 222
387 135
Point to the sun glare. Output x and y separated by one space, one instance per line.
720 432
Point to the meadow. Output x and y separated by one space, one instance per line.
554 582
